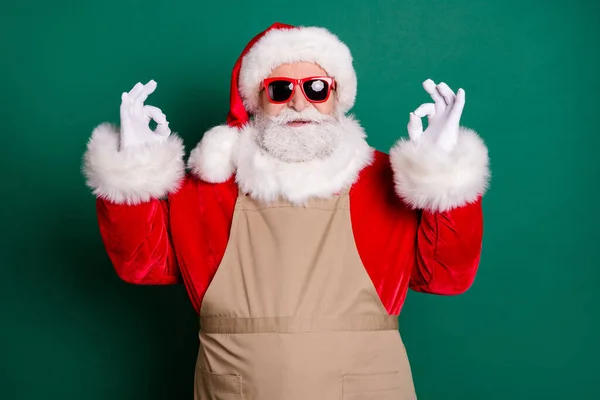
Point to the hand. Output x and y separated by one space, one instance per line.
135 118
443 116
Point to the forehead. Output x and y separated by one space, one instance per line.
298 70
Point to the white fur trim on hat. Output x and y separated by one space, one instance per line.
211 160
427 178
135 175
310 44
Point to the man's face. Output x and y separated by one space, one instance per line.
298 130
297 102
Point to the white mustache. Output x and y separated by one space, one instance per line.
310 114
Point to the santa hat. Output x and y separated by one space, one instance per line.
278 44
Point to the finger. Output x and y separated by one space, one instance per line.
155 113
425 109
125 101
163 129
137 89
446 93
146 91
458 106
431 88
415 127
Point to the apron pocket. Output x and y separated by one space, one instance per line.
221 386
381 386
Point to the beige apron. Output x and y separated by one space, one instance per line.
292 314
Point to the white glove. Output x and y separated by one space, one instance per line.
135 118
443 116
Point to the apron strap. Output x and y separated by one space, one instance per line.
245 201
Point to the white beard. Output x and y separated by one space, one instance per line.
226 151
297 144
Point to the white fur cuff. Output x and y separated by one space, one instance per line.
427 178
211 160
135 175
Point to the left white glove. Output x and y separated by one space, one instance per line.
443 116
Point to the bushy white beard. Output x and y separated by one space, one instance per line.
294 144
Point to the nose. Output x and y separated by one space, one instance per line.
298 101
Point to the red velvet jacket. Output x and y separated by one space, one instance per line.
183 238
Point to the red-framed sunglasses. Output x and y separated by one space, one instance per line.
316 89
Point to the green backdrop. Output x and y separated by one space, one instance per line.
527 329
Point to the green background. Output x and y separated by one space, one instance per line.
527 329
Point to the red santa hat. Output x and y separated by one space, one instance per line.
281 44
278 44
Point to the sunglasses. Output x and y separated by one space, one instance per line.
316 89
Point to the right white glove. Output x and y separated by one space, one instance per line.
135 118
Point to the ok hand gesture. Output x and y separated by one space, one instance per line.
135 117
443 116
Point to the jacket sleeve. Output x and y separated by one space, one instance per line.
132 189
448 250
446 189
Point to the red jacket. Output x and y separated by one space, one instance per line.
181 239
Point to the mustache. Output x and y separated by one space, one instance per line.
307 115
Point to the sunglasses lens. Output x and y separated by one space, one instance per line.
280 90
316 89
